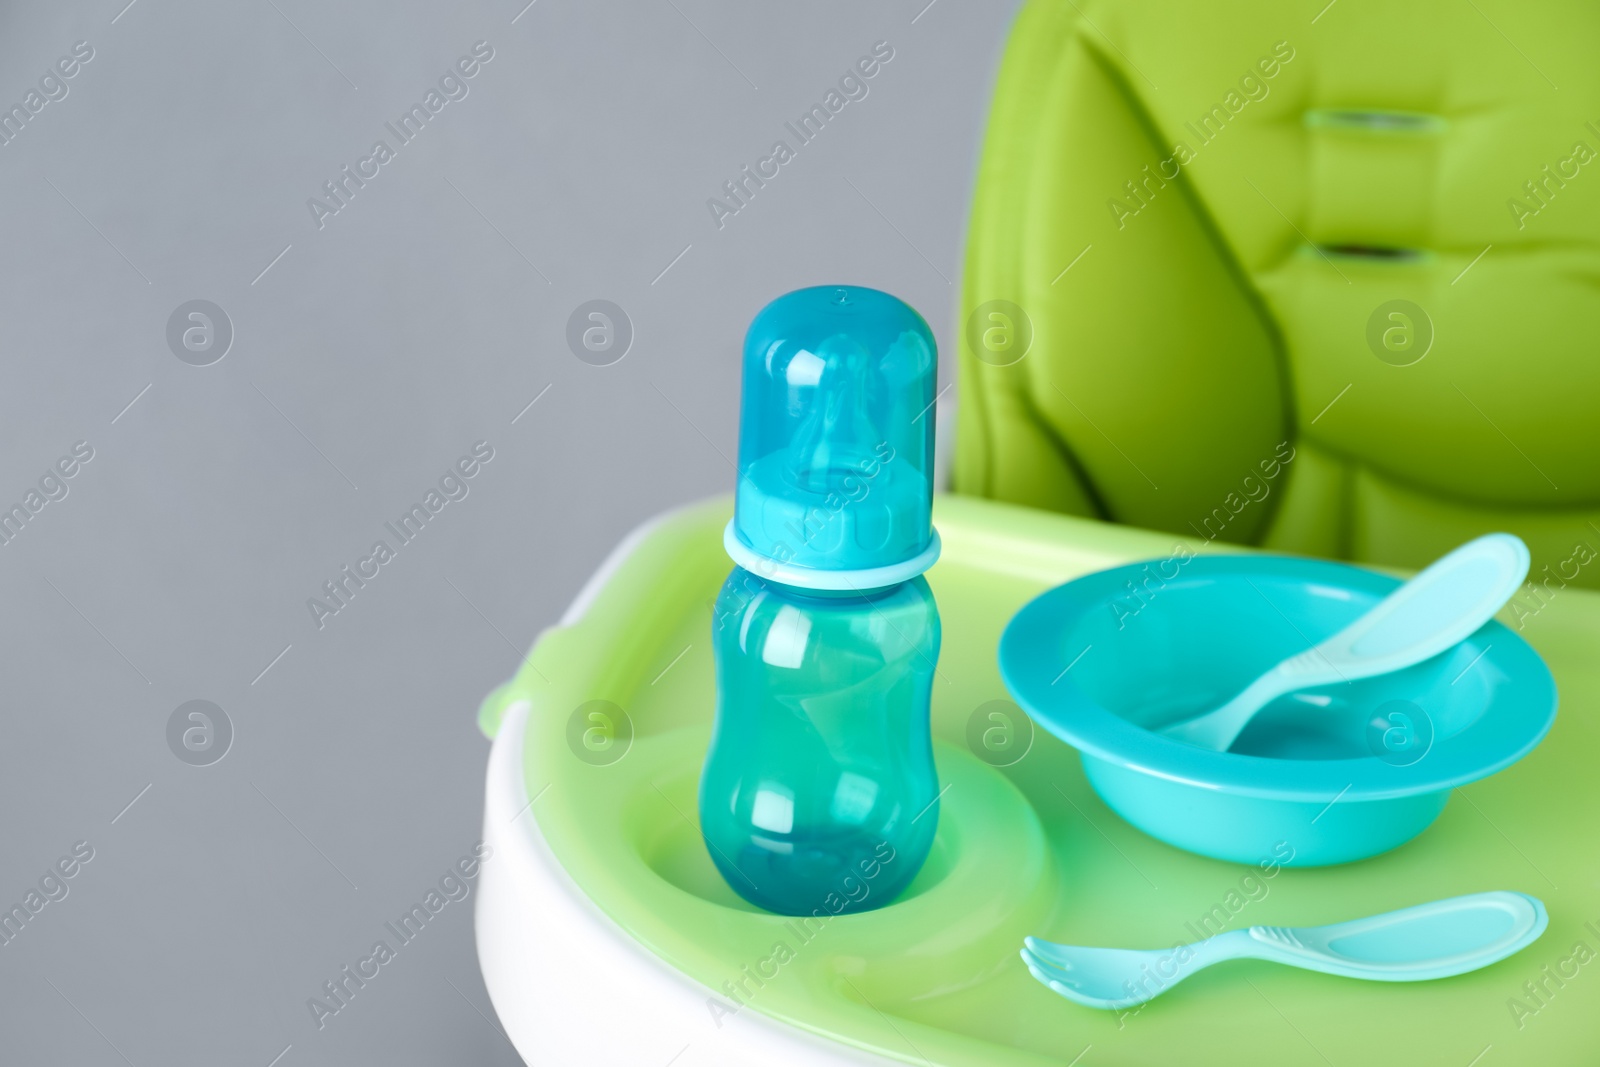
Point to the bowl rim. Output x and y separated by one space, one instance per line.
1502 735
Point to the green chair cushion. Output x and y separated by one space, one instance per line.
1199 213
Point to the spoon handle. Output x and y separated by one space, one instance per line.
1442 606
1437 609
1433 940
1218 729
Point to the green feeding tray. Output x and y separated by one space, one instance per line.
1025 847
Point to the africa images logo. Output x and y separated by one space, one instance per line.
52 88
342 188
808 127
454 886
1142 190
342 588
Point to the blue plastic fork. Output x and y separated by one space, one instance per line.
1434 940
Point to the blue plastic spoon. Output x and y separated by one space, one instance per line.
1433 612
1434 940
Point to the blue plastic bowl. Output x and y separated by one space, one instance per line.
1323 775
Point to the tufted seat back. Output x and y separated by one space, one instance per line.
1321 282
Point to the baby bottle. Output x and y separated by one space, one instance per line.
819 794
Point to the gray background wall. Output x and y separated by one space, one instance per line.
367 356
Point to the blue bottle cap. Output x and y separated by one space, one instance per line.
836 441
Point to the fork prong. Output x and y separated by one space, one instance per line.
1037 968
1047 951
1043 972
1044 967
1045 961
1040 970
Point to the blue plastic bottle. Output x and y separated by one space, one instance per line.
819 794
